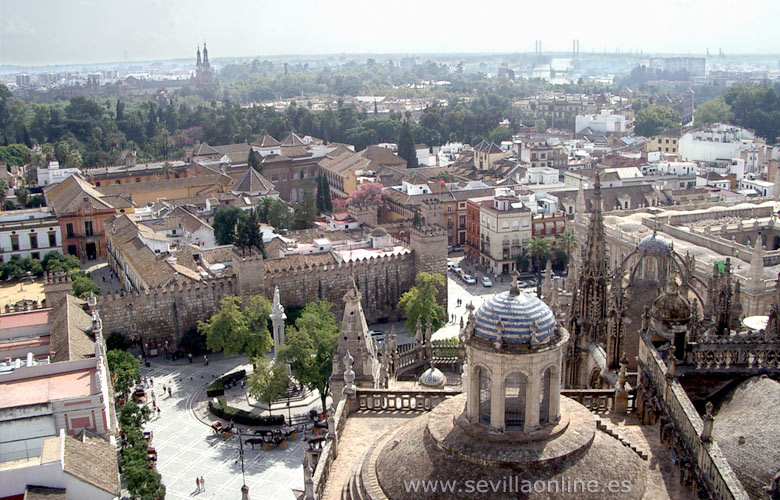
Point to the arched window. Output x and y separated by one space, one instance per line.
544 397
514 398
484 396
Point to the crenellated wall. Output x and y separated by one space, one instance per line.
381 281
165 313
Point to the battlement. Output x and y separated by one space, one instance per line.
325 268
428 232
56 277
176 287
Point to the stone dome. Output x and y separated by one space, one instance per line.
671 308
433 377
655 244
522 316
378 232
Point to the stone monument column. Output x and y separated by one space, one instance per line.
277 321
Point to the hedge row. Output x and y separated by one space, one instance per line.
217 388
237 416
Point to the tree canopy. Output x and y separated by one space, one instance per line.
309 347
713 111
420 301
225 221
268 381
654 119
756 107
248 235
125 370
235 329
406 149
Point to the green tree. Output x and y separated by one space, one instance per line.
233 330
654 119
713 111
420 301
225 221
309 346
248 234
116 340
125 370
326 196
255 161
268 381
406 149
499 134
567 241
132 415
82 284
3 190
57 262
22 196
320 192
306 209
143 482
540 250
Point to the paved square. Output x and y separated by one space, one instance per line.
187 448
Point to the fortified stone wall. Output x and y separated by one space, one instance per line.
166 313
381 282
163 313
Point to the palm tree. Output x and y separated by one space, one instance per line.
540 249
566 242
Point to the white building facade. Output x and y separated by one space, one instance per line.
29 233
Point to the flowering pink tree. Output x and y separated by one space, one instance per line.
370 192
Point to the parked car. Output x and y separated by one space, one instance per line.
450 264
456 269
486 281
469 279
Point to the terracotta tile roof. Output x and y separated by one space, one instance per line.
154 269
252 183
487 147
205 182
119 201
232 149
93 461
204 149
639 196
265 141
69 338
44 493
383 156
293 140
68 195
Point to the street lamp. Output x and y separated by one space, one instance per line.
244 488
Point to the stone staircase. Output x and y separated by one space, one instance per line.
356 488
608 428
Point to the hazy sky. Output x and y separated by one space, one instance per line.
37 32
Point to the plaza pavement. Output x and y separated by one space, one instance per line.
187 448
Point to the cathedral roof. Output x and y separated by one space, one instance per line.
522 316
655 244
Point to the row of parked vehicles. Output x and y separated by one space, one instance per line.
465 277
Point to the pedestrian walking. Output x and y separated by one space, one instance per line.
206 359
151 381
197 482
202 483
154 405
189 356
159 411
169 391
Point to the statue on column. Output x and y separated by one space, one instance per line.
277 321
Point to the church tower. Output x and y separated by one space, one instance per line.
589 305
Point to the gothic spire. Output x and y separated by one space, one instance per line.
595 252
199 62
205 54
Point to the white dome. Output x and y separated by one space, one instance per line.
433 377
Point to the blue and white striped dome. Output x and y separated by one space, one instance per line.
517 313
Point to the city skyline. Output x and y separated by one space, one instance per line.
155 30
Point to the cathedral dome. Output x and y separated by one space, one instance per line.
379 232
433 377
520 317
655 244
671 308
